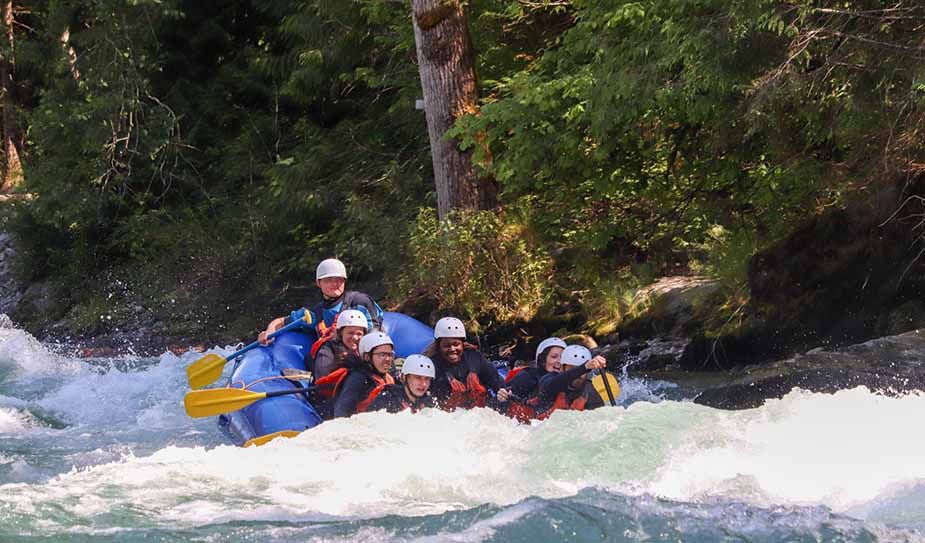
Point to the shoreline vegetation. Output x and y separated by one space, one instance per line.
174 170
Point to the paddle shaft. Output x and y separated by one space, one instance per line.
254 345
303 390
613 402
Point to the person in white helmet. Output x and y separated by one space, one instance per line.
340 349
358 385
570 388
331 278
463 376
417 373
524 382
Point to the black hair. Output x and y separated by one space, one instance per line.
541 359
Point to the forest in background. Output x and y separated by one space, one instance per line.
215 152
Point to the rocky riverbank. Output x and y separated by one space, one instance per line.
890 365
11 291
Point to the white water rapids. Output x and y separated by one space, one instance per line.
103 449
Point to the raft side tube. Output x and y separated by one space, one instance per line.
410 335
292 412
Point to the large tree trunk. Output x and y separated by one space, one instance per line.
71 53
12 136
447 67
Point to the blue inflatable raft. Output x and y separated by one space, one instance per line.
261 369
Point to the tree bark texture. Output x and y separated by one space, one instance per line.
12 136
447 67
71 53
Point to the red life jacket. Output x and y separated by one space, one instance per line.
511 374
578 404
522 412
325 333
470 394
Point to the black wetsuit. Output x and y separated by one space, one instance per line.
393 399
525 384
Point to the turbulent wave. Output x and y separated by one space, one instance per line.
126 463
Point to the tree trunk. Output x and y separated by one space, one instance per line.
12 136
71 53
447 67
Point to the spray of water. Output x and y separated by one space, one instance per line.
128 456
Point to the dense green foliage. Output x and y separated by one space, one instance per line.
654 125
628 138
485 266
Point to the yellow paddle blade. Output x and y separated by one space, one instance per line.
215 401
598 382
205 371
262 440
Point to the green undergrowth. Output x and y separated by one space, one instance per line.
479 265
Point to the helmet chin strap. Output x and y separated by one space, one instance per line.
411 393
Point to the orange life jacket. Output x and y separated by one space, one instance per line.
381 383
337 377
325 388
578 404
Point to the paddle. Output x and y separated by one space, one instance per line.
215 401
606 385
208 369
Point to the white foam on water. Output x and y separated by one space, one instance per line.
633 389
28 357
149 396
843 451
840 450
899 504
14 421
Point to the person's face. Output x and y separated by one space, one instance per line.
382 358
554 359
331 287
418 385
351 336
451 349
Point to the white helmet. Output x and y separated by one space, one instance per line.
331 267
373 340
547 343
449 327
418 364
352 317
575 355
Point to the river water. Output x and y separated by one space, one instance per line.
101 450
